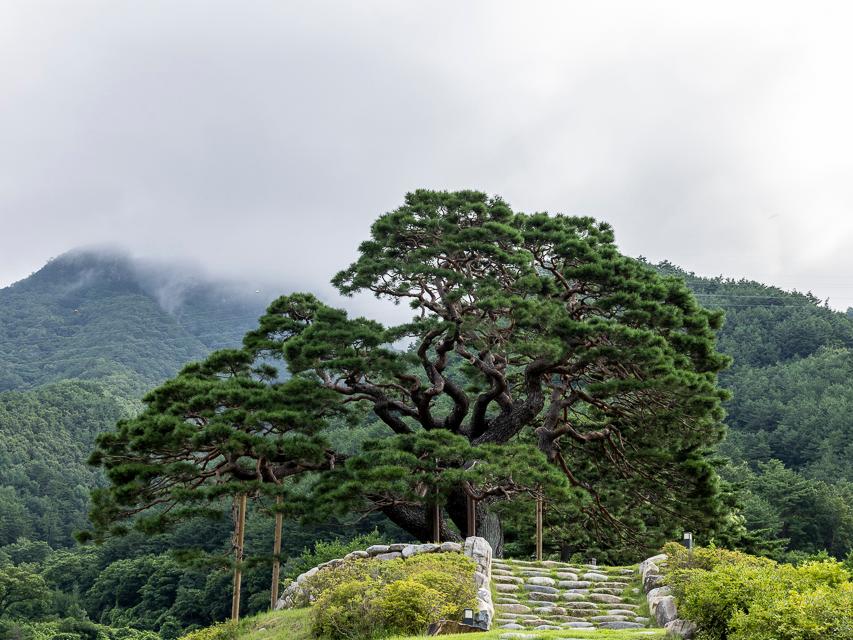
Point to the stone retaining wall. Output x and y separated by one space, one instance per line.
478 549
661 602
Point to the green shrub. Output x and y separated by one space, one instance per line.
347 610
408 607
822 613
719 590
375 598
220 631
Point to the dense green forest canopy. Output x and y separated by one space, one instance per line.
788 437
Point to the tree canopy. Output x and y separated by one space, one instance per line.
526 325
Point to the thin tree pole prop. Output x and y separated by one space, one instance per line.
472 516
276 553
239 535
436 520
540 508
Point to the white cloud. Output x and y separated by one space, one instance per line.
263 137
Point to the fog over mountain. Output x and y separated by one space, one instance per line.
261 139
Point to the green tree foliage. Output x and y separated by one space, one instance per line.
221 427
47 435
741 597
554 333
19 585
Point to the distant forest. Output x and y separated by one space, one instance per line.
85 337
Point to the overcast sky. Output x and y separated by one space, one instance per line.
262 138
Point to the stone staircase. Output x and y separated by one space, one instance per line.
556 595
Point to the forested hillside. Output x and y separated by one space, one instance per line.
790 414
87 314
81 341
85 337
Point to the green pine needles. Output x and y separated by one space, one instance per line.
540 361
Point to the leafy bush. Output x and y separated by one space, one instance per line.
348 610
376 598
824 612
409 606
219 631
733 595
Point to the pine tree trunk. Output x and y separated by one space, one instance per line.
489 527
276 552
239 535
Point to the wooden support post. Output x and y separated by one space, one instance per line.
472 516
436 520
239 536
276 552
540 508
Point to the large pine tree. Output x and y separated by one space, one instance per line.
530 330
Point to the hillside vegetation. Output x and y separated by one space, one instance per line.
85 337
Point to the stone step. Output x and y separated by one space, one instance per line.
550 595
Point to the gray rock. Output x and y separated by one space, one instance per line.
680 629
451 547
391 555
542 597
429 547
665 611
307 575
506 579
607 619
605 597
652 581
550 610
658 592
542 581
376 549
620 624
514 608
567 575
547 627
399 546
574 584
620 612
506 588
540 588
593 576
511 625
356 555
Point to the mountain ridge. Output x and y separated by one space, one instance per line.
87 314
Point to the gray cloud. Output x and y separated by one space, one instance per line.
262 138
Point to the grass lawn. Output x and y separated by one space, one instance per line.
294 625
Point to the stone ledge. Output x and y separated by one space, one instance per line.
661 602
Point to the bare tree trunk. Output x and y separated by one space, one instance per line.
239 535
276 553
